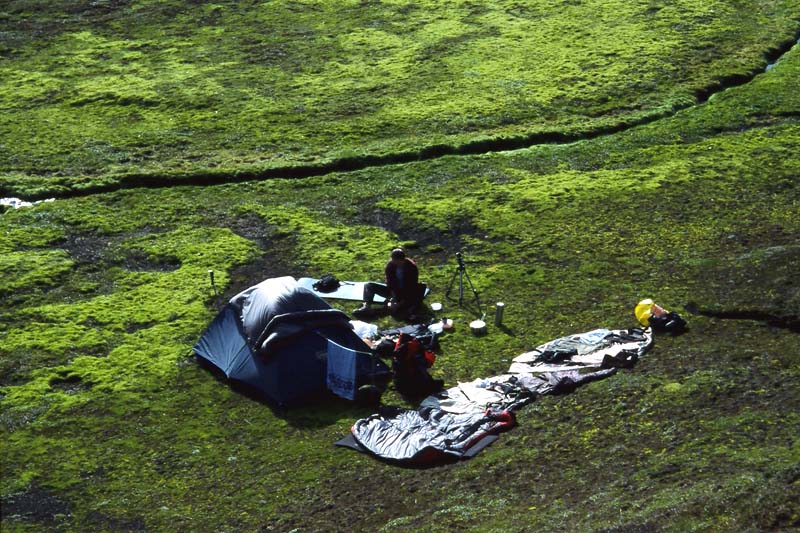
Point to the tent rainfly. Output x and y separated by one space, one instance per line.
275 337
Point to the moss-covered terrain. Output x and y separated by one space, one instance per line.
108 92
678 190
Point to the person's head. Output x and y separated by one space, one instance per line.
398 255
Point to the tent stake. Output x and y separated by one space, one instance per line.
213 286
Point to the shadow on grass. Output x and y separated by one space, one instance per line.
789 322
315 411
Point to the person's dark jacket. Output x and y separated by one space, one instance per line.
403 281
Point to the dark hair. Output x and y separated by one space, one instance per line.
398 254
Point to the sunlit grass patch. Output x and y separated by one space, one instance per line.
168 88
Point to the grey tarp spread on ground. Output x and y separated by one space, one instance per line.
450 424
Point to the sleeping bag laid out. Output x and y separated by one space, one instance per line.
459 422
275 337
427 436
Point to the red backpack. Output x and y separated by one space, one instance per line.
410 363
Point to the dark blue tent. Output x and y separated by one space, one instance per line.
273 337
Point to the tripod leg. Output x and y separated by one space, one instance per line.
477 298
450 285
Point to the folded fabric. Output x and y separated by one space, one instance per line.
462 420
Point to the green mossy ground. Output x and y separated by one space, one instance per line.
109 424
94 93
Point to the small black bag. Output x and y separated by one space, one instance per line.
326 283
672 322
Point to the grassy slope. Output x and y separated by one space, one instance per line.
94 91
108 424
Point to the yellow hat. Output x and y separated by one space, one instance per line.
643 311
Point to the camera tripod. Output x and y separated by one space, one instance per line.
461 273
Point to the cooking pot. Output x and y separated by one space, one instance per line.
477 327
